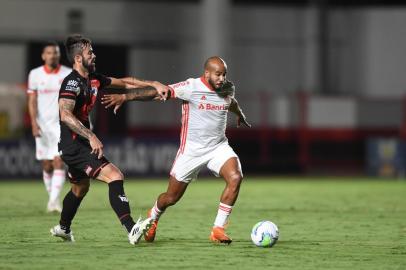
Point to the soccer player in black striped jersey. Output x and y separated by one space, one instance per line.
80 148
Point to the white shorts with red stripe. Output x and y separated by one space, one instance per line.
187 167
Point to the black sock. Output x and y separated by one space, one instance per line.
120 205
70 206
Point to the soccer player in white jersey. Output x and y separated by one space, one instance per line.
206 102
43 91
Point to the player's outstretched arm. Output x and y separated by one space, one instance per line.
142 94
134 83
66 107
236 109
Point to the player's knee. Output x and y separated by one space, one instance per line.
58 164
80 191
47 166
116 175
113 176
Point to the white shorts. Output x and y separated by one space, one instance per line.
187 167
47 144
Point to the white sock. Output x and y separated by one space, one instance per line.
155 212
47 177
58 179
222 215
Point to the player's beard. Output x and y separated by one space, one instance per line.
89 66
212 84
54 64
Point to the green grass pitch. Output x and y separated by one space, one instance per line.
324 224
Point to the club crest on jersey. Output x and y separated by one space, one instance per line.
94 84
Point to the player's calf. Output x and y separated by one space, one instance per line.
120 204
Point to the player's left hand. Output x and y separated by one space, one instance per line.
36 130
115 100
242 120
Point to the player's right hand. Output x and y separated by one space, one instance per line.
162 90
97 146
36 130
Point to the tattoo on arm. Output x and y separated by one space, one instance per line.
142 94
66 107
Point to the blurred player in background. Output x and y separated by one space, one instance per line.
206 101
43 91
80 148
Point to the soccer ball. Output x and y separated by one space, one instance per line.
264 234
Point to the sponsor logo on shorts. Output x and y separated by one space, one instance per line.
88 170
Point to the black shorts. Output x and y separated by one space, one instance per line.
81 163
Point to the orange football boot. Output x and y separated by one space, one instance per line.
150 234
218 235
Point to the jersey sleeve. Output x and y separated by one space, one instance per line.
181 90
70 89
32 83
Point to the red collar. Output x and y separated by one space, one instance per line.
206 83
55 71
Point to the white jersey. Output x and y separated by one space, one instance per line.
204 116
47 84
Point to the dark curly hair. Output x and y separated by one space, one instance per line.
75 44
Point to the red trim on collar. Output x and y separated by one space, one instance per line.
55 71
206 83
